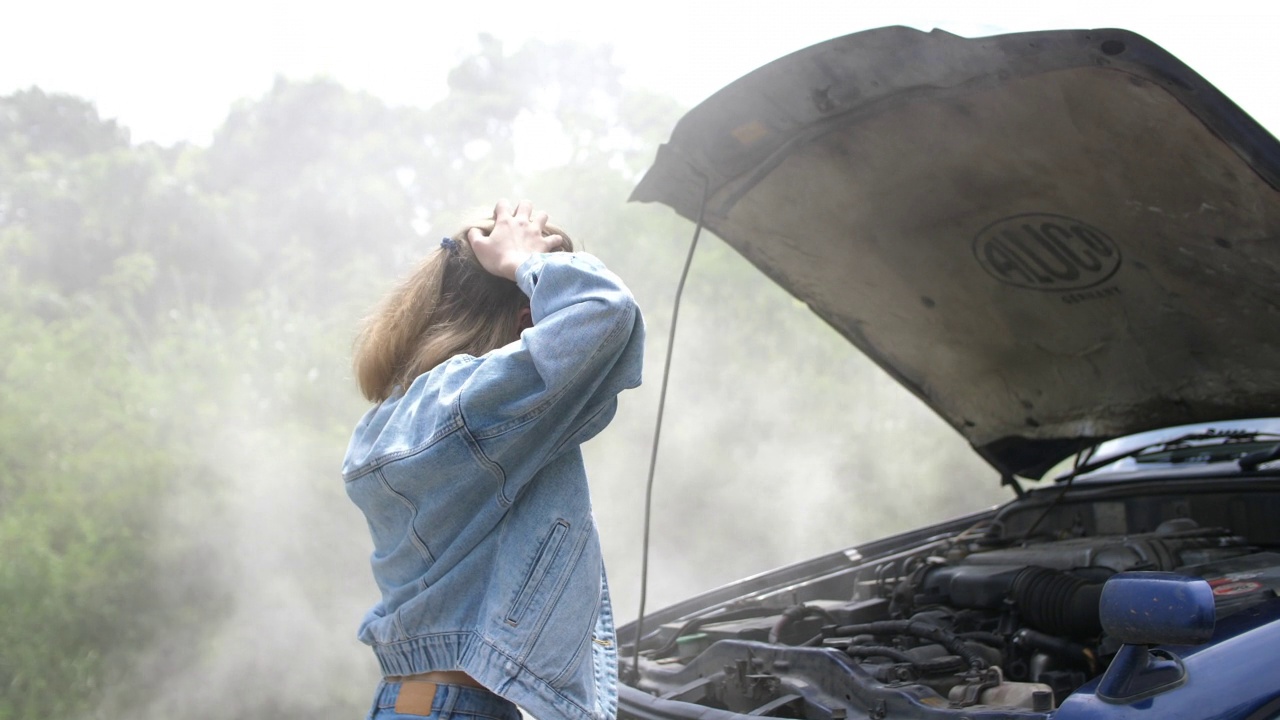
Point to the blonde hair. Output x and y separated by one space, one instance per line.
449 305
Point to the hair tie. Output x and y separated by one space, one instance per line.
450 245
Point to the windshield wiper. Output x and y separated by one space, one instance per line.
1226 436
1251 461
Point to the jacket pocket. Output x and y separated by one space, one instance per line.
538 571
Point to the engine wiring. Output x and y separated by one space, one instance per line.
657 429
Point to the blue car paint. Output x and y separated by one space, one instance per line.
1157 608
1232 677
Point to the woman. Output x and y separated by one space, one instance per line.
490 365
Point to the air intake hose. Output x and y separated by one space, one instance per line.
1057 603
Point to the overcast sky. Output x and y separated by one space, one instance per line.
169 70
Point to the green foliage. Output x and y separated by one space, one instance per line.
35 124
81 473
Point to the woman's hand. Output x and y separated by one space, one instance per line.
516 235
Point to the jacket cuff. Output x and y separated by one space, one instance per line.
527 273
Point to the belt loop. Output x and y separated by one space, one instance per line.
451 693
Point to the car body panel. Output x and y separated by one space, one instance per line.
1051 238
1232 676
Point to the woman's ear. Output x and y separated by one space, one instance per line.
524 320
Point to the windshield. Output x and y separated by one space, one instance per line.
1197 452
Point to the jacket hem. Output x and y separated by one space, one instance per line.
490 666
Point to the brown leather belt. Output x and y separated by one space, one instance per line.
418 692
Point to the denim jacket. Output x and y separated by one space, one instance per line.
473 486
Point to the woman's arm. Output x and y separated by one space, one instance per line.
557 386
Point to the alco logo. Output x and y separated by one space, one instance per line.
1047 252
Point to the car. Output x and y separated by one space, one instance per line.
1067 244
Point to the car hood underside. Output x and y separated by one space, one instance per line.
1051 238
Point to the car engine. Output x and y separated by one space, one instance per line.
990 622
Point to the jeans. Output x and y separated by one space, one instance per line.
451 702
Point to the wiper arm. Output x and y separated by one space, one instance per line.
1251 461
1223 435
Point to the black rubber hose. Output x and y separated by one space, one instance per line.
1057 603
986 638
870 651
1058 647
939 665
932 666
917 629
794 614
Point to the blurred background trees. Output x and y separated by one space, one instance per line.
175 330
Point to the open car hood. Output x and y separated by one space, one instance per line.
1051 238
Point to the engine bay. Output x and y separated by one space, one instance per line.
999 619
